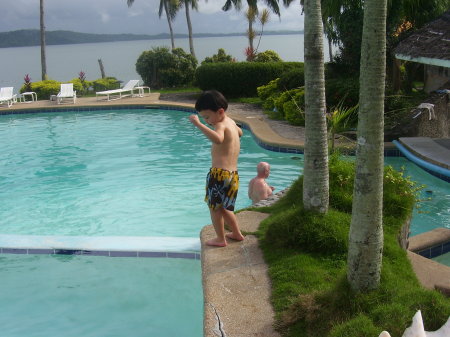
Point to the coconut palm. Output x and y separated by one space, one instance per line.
315 171
271 4
194 5
366 229
42 29
170 7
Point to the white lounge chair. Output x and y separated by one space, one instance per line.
117 93
7 96
66 91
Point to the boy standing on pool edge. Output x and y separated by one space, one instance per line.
222 181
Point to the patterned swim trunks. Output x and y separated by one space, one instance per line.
221 188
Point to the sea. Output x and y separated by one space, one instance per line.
65 62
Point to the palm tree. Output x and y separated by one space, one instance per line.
194 5
252 15
272 4
366 229
42 28
315 171
170 7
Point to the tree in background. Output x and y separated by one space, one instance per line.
42 29
343 24
366 229
162 68
170 7
251 15
315 171
194 5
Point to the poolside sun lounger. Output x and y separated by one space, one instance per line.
7 96
118 93
66 91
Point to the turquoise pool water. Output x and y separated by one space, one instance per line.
133 173
443 259
123 173
433 209
73 296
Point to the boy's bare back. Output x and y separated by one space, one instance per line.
225 154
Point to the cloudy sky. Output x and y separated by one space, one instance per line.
114 16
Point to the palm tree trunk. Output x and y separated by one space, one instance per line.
191 38
366 229
169 21
315 171
42 26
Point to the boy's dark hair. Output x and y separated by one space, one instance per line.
211 100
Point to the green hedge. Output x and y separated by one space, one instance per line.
240 79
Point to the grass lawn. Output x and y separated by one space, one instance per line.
307 253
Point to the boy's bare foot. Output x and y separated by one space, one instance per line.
237 237
216 242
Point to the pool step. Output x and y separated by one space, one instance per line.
123 246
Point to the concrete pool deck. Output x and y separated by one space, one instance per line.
236 285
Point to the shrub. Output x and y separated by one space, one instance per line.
267 56
107 83
221 56
266 91
44 89
240 79
160 67
344 91
291 79
293 113
79 86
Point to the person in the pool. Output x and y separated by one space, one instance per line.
258 189
222 181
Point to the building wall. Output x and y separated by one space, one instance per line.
437 125
435 77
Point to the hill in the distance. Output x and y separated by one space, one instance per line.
31 37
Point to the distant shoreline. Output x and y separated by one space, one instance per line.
31 37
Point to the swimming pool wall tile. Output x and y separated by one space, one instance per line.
123 254
152 254
446 247
96 252
434 251
44 251
41 251
13 251
181 255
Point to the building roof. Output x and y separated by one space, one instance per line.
428 45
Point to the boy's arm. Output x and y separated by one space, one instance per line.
216 136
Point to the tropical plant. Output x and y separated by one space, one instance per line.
27 83
252 14
161 68
267 56
315 170
366 228
340 119
42 31
221 56
170 7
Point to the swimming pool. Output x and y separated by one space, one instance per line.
72 296
123 173
433 209
110 173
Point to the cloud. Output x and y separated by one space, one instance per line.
114 16
104 17
209 7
